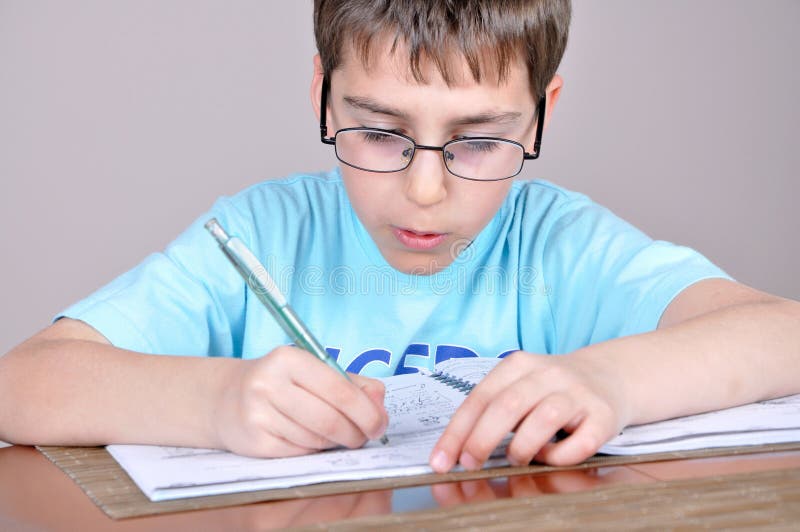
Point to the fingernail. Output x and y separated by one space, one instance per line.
439 461
468 462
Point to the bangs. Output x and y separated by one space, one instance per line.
488 36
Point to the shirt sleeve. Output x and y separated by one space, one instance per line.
607 279
186 300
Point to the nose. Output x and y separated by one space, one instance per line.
425 178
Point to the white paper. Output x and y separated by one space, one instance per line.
774 421
419 409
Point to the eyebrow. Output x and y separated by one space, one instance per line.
368 104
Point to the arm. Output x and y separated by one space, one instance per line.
69 386
718 344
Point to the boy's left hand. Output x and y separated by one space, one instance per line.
535 396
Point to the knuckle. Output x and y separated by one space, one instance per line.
346 394
555 408
550 413
278 355
511 401
329 427
253 418
479 449
517 357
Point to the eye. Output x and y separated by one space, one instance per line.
481 146
380 136
376 136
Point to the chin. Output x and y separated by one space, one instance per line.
418 264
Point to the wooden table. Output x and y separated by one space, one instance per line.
748 490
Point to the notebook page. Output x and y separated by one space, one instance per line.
419 408
416 402
773 421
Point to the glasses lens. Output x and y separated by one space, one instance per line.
484 159
373 150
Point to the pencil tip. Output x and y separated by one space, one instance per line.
384 440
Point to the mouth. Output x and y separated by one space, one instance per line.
418 240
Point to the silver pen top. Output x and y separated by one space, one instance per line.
217 231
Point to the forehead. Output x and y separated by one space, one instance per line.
383 56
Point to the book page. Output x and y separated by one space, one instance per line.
164 473
419 409
416 402
773 421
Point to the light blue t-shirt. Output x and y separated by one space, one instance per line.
552 272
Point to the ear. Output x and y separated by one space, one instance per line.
316 85
553 91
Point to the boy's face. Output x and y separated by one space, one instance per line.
422 217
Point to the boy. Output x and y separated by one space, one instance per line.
418 248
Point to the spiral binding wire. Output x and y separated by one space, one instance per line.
454 382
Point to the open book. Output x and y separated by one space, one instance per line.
420 405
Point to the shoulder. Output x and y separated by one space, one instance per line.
287 204
557 221
540 198
298 192
548 207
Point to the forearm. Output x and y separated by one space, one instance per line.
79 392
731 356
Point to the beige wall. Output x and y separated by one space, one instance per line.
121 121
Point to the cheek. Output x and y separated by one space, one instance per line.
483 200
368 193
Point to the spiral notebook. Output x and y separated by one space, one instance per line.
419 406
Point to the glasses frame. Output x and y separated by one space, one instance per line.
325 139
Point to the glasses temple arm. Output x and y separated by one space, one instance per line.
537 143
323 112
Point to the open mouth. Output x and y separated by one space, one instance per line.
418 240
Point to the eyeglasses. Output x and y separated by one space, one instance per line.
384 151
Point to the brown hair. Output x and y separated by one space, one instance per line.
498 31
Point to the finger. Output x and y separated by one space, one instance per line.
284 427
570 481
448 494
549 415
521 403
579 445
450 446
477 490
343 395
523 485
373 503
267 444
376 391
318 416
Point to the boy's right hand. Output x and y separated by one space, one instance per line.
289 403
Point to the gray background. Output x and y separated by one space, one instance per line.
122 121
